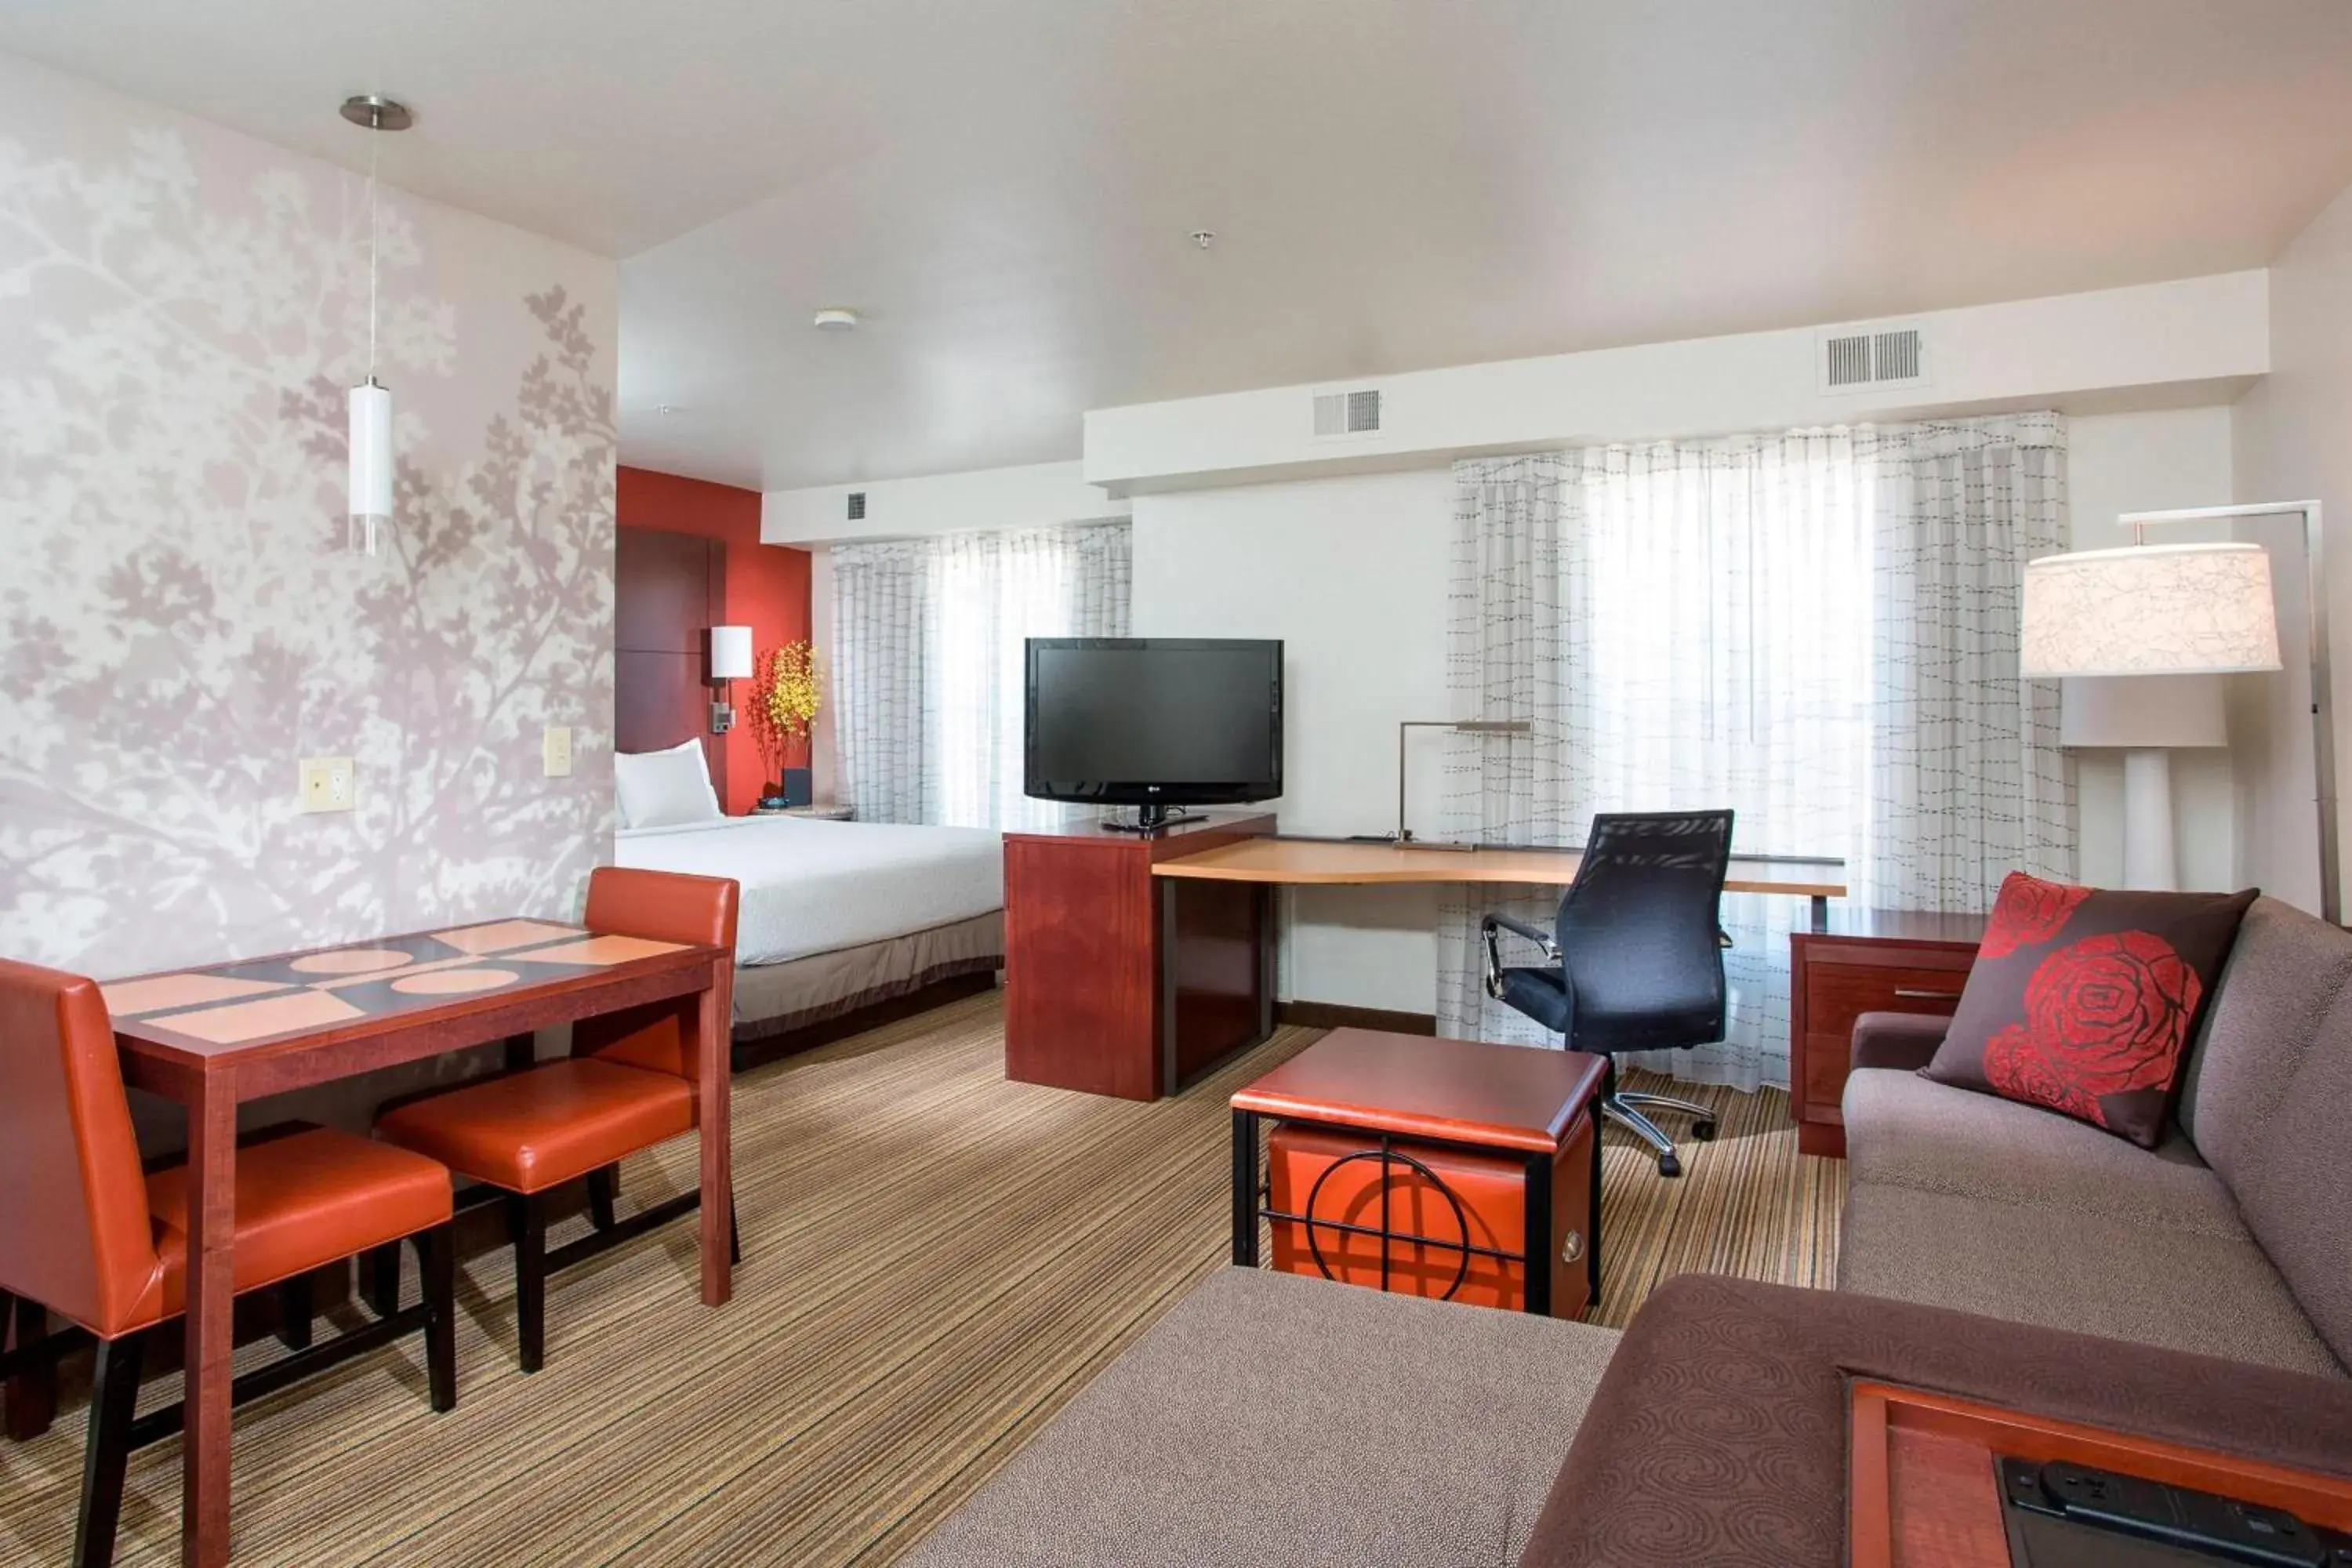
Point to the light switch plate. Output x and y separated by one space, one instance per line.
326 784
555 750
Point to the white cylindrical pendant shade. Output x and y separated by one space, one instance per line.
370 500
2158 609
2135 711
730 653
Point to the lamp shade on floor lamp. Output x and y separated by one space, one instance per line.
2154 609
2142 635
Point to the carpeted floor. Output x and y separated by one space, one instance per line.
936 1259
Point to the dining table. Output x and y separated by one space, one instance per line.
215 1037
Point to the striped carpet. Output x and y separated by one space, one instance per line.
936 1261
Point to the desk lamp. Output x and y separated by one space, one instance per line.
1404 835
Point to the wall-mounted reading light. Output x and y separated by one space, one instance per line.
731 662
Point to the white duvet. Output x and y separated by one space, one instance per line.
818 886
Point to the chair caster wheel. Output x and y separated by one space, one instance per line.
1668 1165
1703 1131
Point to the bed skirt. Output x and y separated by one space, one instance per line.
772 999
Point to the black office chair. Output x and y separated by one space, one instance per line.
1635 957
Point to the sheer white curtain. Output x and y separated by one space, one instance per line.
928 673
1746 623
1968 781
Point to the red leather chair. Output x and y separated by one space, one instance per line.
89 1235
628 1085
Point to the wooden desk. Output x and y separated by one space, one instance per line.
213 1038
1099 994
1266 860
1340 862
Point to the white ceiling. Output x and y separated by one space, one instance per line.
1005 186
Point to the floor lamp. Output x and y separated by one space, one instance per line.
2147 718
2186 610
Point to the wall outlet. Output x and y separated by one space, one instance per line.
326 784
555 750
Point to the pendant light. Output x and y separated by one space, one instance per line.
372 462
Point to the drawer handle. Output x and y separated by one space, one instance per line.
1915 994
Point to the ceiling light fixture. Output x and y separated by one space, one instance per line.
835 319
370 427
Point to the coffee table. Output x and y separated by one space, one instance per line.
1471 1095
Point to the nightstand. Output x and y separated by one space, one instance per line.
1868 961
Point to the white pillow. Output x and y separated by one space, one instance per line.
665 789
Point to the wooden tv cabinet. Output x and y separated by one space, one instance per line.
1091 999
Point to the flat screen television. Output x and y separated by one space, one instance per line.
1153 723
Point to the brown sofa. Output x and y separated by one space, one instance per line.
2233 1238
1274 1420
1268 1419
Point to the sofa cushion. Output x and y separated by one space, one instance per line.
2083 1001
2295 1188
1906 1041
2287 969
1270 1418
1910 1132
2118 1276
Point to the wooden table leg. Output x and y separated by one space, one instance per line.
1536 1247
1244 1186
32 1395
712 1021
212 1234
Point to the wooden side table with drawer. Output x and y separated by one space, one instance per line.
1864 960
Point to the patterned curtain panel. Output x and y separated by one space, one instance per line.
929 672
1968 782
880 624
1707 624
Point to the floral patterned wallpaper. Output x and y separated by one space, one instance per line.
181 310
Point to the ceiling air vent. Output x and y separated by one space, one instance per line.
1857 360
857 506
1344 414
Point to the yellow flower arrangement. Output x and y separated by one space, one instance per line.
784 700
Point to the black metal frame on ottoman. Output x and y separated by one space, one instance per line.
1415 1091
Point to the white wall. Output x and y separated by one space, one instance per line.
2194 341
1351 573
2294 443
1244 528
2141 462
1034 495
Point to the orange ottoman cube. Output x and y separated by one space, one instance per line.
1461 1170
1470 1246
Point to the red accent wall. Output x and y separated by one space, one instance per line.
767 587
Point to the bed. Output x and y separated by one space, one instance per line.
843 924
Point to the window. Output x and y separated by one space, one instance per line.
928 667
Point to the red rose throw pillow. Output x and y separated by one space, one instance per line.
2084 1000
